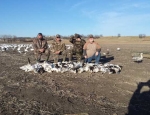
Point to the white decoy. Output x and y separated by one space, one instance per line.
32 49
138 59
26 49
68 47
19 47
107 52
14 47
104 54
3 49
118 49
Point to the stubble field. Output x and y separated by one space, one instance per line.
24 93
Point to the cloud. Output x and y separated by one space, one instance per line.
120 19
80 4
90 14
76 5
133 5
113 23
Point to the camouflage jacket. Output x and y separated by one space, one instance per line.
77 45
38 44
58 46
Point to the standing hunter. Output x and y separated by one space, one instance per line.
77 50
58 48
40 47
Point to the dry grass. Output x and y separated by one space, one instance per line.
116 40
94 94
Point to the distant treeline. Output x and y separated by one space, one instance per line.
11 39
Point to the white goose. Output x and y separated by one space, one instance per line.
3 49
26 49
19 49
138 59
96 69
80 70
28 67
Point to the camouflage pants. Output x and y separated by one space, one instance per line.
38 55
56 56
78 55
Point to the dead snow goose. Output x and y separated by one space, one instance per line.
28 67
96 69
80 70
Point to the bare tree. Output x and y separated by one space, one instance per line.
142 35
119 35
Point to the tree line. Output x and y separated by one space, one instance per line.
14 38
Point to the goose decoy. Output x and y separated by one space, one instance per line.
138 59
118 49
107 52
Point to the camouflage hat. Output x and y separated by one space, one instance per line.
58 36
77 36
71 36
90 36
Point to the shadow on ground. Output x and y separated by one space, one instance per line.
140 101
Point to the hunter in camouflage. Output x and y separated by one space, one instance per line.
40 47
58 48
78 44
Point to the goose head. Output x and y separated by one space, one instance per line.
141 54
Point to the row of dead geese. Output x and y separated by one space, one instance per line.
72 67
75 67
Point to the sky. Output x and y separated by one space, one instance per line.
26 18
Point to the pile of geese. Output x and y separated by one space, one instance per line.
73 67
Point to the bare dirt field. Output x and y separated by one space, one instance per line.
24 93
